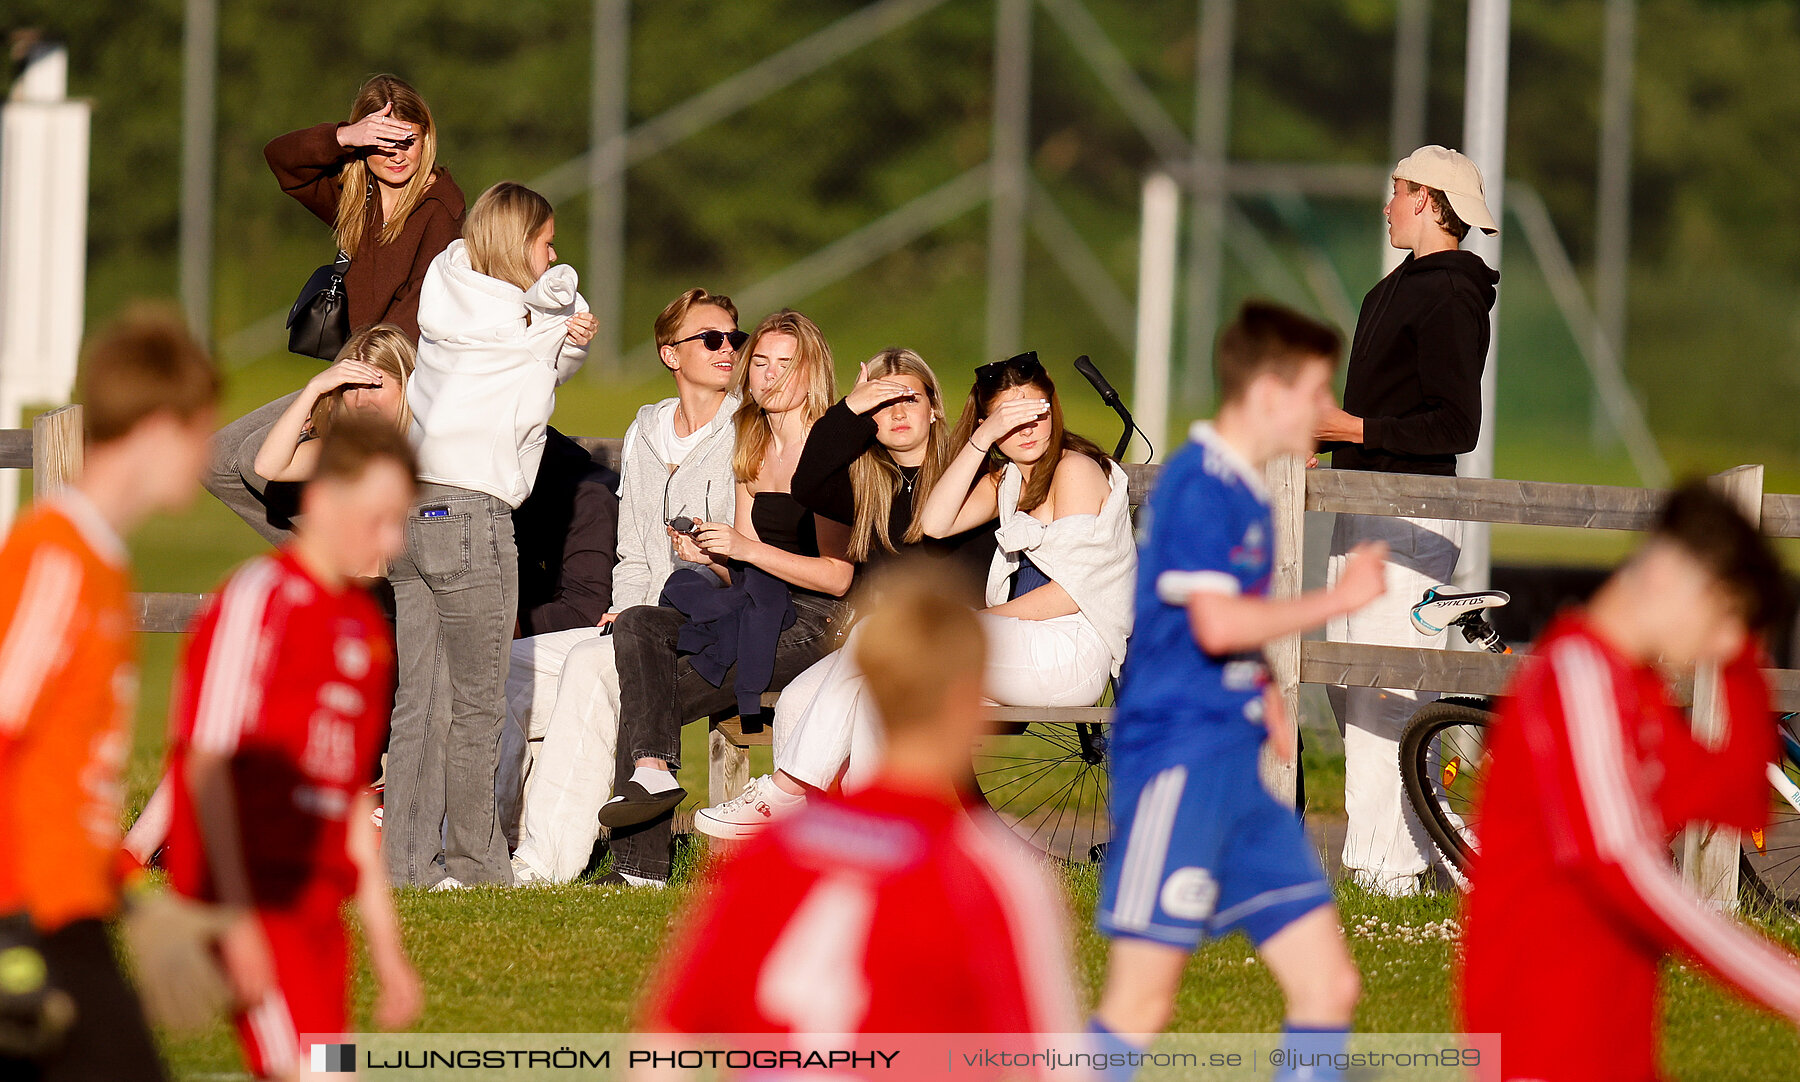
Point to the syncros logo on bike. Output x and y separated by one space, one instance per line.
1460 602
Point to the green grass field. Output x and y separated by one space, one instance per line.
573 958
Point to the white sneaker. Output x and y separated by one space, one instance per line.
528 875
744 816
616 880
524 875
1390 886
449 882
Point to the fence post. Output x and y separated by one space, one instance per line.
727 766
1709 855
1287 498
56 450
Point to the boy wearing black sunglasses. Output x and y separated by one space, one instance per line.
564 686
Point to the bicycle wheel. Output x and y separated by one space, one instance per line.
1048 783
1443 763
1769 866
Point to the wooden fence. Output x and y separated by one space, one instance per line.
52 449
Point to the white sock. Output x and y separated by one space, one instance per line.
638 880
654 780
778 795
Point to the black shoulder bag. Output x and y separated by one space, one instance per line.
319 323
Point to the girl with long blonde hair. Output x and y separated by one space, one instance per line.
875 455
369 377
392 208
775 546
376 181
501 326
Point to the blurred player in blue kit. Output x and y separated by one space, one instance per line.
1200 849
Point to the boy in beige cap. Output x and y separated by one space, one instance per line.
1412 403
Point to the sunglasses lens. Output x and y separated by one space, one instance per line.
714 341
1026 364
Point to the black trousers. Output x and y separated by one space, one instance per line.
659 692
110 1041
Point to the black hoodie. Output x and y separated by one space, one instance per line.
1415 365
567 536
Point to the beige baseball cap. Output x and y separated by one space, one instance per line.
1454 175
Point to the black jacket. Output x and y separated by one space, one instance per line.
1415 366
822 484
567 532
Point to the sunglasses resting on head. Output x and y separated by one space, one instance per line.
1025 364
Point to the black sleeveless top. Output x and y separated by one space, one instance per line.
782 521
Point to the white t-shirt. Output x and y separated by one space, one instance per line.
673 449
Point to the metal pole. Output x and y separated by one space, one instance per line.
1206 238
1157 253
200 59
1006 212
1484 140
1412 72
607 118
1612 219
1624 415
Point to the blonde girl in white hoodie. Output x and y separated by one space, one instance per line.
500 328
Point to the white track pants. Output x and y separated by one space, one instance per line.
825 718
1385 847
562 694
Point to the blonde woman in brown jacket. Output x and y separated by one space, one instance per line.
375 180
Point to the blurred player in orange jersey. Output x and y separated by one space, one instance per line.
896 908
68 681
280 711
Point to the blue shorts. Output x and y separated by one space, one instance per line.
1200 849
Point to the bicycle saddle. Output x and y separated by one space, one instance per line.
1444 605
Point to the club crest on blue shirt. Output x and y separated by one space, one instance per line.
1253 551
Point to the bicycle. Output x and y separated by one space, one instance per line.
1443 761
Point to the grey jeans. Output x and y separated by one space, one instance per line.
457 592
266 506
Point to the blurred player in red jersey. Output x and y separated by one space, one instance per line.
895 909
68 684
1575 902
279 712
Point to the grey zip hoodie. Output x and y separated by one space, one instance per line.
649 495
